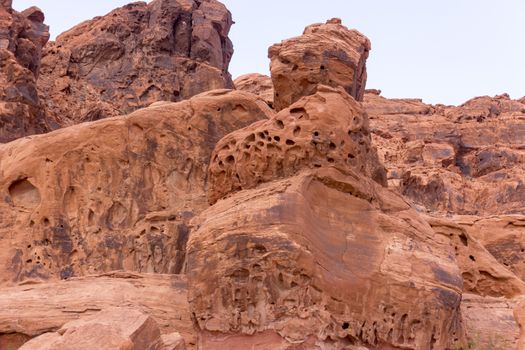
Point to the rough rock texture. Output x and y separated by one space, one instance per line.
503 236
258 84
325 259
328 128
482 273
113 194
328 54
29 310
112 329
22 36
460 160
136 55
491 322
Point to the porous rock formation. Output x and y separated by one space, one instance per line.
136 55
326 259
328 54
113 194
22 36
303 247
328 128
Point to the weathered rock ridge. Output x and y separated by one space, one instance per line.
113 194
136 55
22 36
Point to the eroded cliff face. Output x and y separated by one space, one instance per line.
458 160
136 55
342 220
114 194
22 36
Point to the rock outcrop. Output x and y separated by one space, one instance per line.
258 84
113 194
459 160
22 36
328 54
325 259
34 309
328 128
112 329
136 55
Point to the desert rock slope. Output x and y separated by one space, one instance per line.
150 202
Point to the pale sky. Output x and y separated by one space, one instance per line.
444 51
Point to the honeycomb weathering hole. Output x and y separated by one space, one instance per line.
24 194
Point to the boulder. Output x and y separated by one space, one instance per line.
325 129
258 84
22 36
116 193
33 309
324 259
136 55
328 54
113 329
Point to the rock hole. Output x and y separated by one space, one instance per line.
279 124
296 131
277 138
332 146
290 142
316 133
45 221
24 194
463 239
471 257
230 159
331 160
322 67
345 325
351 156
261 135
250 138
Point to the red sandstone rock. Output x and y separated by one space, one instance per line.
325 258
258 84
112 329
328 54
22 36
462 160
134 56
325 129
113 194
33 309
